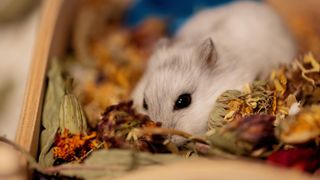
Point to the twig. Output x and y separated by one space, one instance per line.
89 152
170 132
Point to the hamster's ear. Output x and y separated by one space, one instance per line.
206 53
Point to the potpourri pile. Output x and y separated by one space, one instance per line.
279 116
275 120
91 124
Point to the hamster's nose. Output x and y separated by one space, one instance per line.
165 124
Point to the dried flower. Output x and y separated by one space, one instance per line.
118 125
244 135
257 98
255 129
69 147
303 78
302 127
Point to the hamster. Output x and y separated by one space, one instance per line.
216 50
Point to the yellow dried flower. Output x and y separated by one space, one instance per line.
301 128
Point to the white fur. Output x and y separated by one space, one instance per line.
249 38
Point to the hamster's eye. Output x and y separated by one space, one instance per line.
183 101
145 105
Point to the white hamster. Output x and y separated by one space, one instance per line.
216 50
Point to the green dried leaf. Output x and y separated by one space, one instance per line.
71 115
114 163
229 142
219 111
50 121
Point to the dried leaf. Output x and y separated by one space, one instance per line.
114 163
243 135
50 120
71 115
304 79
315 67
227 142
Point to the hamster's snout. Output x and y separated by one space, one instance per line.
164 122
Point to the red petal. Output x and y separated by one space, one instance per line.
305 159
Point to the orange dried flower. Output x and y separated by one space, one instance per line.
69 147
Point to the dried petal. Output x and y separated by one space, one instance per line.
71 115
301 128
254 129
304 159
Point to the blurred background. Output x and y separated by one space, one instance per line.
18 22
